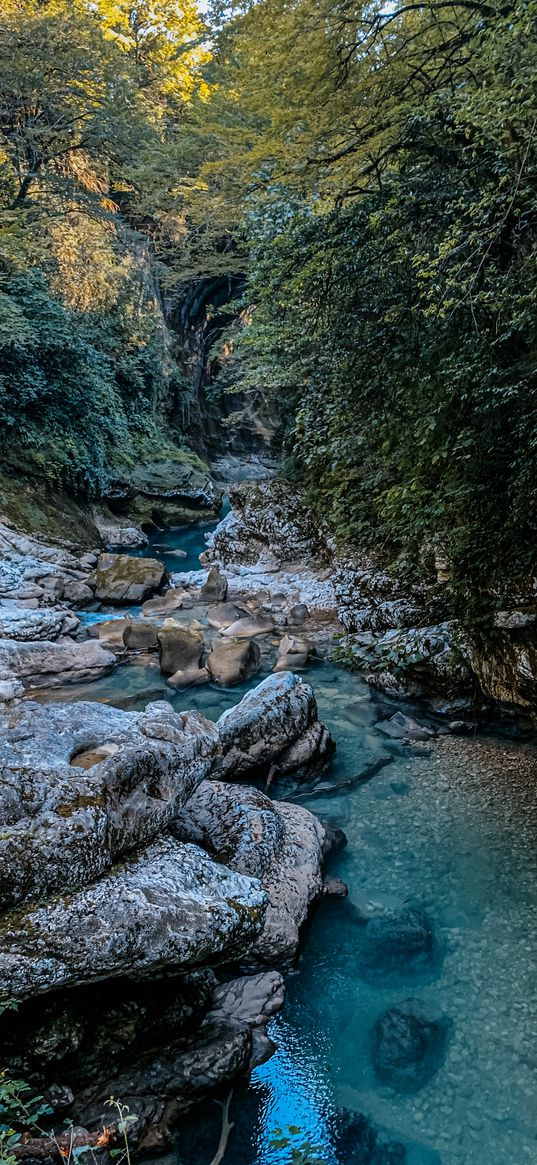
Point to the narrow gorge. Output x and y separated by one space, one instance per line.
268 583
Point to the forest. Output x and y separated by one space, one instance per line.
364 174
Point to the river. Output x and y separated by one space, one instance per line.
450 828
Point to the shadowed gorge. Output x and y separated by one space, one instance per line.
268 585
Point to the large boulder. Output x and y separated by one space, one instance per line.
168 907
121 578
86 783
280 844
408 1045
276 724
180 648
233 661
52 664
140 636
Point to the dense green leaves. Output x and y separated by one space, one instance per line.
391 265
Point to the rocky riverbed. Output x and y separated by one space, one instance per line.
153 893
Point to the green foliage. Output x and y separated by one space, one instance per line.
391 231
20 1110
94 105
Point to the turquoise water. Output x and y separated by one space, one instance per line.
440 829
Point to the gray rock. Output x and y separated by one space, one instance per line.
293 654
20 623
280 844
232 661
248 626
401 727
47 664
298 614
170 907
180 648
397 943
10 688
409 1042
164 604
116 533
31 571
121 578
223 615
275 724
78 593
215 588
140 636
86 783
269 524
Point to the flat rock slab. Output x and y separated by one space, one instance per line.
169 908
52 664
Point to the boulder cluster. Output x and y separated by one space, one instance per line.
127 859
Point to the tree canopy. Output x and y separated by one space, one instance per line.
368 169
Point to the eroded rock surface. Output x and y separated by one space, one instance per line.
52 664
120 578
63 825
275 724
39 575
280 844
168 907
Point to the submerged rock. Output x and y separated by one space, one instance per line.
397 943
358 1142
233 661
121 578
408 1045
275 724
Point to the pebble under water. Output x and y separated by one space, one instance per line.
444 832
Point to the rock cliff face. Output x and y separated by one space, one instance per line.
121 861
397 630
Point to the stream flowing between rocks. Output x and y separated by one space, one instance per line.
447 830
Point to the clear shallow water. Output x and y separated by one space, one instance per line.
451 829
